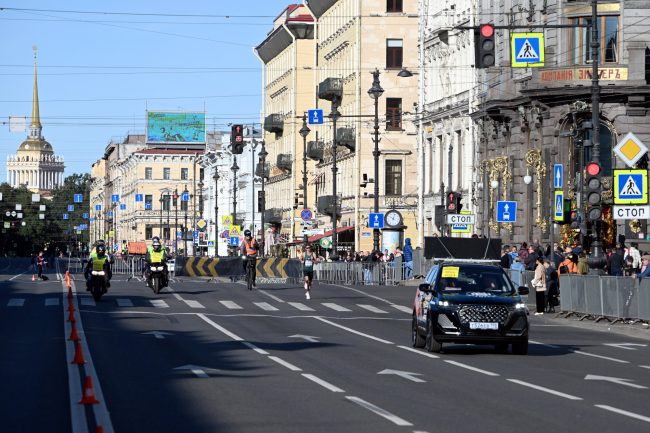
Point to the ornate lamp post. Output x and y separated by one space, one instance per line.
161 200
262 155
304 132
234 169
175 222
216 211
376 91
184 231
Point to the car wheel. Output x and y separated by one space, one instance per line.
416 338
520 347
430 343
501 347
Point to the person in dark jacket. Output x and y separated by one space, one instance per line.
617 262
552 291
408 259
506 259
531 260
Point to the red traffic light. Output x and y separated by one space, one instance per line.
593 169
487 30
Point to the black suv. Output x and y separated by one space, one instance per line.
469 303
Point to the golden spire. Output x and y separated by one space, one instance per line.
36 117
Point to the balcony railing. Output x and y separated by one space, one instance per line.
274 123
346 137
325 205
273 215
284 161
316 150
263 171
330 89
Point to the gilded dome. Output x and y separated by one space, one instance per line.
35 145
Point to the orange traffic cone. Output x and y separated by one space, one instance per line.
89 393
73 334
78 354
68 284
99 429
71 317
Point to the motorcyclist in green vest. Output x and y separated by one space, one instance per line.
100 262
93 252
156 253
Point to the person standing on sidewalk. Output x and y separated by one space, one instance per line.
408 259
539 285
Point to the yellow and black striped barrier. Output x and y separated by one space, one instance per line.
233 267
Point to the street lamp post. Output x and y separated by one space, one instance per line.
262 155
169 207
304 132
200 185
216 211
376 91
175 221
161 216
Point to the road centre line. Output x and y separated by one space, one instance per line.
275 298
623 412
322 383
381 340
285 363
419 352
469 367
219 327
16 276
255 348
379 411
541 388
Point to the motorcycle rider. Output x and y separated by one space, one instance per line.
249 249
156 253
100 262
93 252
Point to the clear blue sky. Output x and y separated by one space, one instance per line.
98 73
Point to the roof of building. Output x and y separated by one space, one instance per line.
32 144
166 151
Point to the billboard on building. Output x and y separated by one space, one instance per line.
175 127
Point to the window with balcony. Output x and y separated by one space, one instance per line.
580 40
394 49
148 173
394 114
394 6
184 173
393 177
167 173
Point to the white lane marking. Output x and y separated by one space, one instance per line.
403 308
335 307
372 309
381 340
379 411
580 352
322 383
541 388
364 294
645 366
469 367
16 276
618 380
404 374
419 352
123 302
219 327
285 363
195 369
552 346
308 338
87 301
193 304
623 412
160 335
231 305
265 306
625 346
16 302
52 302
275 298
301 307
255 348
159 303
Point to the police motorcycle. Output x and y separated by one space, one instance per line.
97 273
157 276
156 266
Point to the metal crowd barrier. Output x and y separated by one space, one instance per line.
608 297
359 273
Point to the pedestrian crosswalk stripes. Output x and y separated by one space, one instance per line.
121 302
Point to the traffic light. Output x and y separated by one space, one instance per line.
594 192
237 139
484 46
453 202
260 201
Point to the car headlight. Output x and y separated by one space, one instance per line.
520 306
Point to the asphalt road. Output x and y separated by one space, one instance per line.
206 357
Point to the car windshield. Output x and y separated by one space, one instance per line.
459 279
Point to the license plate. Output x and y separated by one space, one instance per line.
483 325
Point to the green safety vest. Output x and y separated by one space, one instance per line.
98 263
156 256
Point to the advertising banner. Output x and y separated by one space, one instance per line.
175 127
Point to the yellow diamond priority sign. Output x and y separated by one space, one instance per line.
630 149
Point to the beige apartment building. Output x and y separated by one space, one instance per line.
355 38
137 192
287 56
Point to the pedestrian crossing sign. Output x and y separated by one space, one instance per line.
630 186
527 50
558 209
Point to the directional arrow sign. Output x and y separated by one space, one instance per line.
309 338
558 180
158 334
625 345
404 374
197 370
618 380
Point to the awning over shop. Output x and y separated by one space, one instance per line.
329 233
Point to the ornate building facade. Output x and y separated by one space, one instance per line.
35 165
